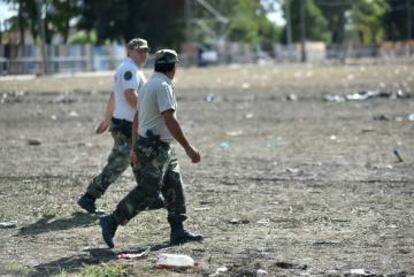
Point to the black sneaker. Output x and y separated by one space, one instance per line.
108 226
183 236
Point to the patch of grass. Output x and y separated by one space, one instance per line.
15 268
107 270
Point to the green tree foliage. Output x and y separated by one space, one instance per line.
315 22
55 13
399 20
366 20
159 21
335 13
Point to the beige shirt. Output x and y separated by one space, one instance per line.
155 97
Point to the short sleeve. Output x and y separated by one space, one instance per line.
166 98
130 79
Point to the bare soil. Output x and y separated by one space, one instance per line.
296 188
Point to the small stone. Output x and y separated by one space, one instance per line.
34 142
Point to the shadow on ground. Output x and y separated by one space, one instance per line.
90 256
47 224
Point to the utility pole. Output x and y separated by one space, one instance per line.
188 18
288 23
41 25
409 20
303 32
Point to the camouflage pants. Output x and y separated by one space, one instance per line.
117 163
160 173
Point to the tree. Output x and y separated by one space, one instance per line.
316 24
366 20
398 20
159 21
336 16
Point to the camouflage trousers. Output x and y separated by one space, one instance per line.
117 163
160 173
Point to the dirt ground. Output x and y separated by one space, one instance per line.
296 187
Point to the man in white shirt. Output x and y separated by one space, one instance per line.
120 111
155 151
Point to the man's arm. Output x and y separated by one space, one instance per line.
175 129
135 125
131 97
110 107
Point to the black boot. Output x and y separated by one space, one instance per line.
108 226
179 235
87 202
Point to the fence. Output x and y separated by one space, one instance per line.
79 58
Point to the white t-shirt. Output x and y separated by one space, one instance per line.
127 76
155 97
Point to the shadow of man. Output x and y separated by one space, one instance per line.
92 256
47 224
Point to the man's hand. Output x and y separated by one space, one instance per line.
193 154
102 127
134 157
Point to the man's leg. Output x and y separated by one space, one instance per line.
153 166
117 162
173 193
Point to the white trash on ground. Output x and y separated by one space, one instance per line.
174 261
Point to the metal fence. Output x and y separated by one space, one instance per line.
80 58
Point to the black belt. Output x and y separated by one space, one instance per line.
152 140
123 126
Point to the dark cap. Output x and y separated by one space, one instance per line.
137 44
164 56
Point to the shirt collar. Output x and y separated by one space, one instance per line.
129 60
163 77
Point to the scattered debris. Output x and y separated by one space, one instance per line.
219 271
365 95
287 265
238 221
292 97
33 263
171 261
398 155
245 86
293 170
12 97
235 133
202 209
34 142
360 273
73 114
263 221
332 137
381 117
8 224
261 273
334 98
212 98
65 99
249 116
225 145
332 273
53 117
129 256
